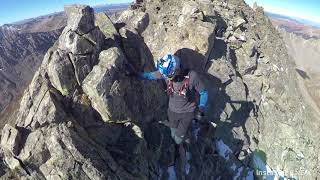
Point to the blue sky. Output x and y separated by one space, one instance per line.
16 10
305 9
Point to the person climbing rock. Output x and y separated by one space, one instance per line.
183 85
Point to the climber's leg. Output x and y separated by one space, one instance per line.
194 131
180 125
178 139
181 134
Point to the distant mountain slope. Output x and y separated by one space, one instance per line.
20 56
58 20
305 54
42 23
297 26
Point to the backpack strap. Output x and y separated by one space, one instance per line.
181 89
169 87
184 85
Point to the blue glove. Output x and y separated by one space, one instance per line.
146 76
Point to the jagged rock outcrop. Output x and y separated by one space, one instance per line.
23 46
82 117
57 133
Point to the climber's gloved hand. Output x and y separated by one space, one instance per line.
165 122
131 74
199 116
130 71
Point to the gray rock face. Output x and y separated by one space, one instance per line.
250 79
80 18
23 46
105 24
61 73
101 85
58 134
83 118
10 138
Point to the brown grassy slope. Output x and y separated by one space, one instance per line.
300 29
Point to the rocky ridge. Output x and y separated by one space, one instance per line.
82 117
23 46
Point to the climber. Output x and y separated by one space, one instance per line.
182 87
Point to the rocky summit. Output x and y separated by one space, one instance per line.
23 45
84 117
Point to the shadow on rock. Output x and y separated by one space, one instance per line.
219 101
303 74
158 137
118 145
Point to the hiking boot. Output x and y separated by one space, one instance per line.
188 141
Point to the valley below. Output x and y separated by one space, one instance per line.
305 53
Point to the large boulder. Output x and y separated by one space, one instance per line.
103 88
106 25
61 73
81 40
9 139
80 18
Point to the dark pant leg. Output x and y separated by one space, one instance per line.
180 125
185 122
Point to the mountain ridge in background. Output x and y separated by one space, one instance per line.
306 55
97 8
307 29
295 19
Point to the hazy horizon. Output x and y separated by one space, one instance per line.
16 10
298 9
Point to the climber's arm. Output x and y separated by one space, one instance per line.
202 104
150 75
203 99
198 85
